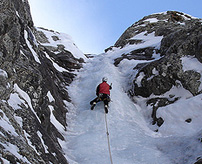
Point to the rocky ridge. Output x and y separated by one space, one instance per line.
181 38
36 66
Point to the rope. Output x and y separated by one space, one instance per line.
110 154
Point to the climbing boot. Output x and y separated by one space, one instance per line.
93 105
106 109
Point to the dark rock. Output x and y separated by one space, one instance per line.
188 120
169 70
165 68
139 54
166 25
181 37
156 103
199 161
108 49
160 121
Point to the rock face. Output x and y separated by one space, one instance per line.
181 37
34 73
155 78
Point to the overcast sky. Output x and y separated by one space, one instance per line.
95 25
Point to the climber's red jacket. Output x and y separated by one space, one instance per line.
103 88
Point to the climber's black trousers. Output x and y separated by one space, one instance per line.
102 97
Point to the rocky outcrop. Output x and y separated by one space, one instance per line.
181 37
164 68
155 77
33 94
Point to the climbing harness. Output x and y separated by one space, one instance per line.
110 155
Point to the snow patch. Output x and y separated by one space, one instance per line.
6 124
15 101
42 141
50 97
175 116
191 63
30 47
57 67
27 136
54 121
152 20
3 73
150 39
26 97
13 149
139 79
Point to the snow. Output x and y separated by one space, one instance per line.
5 161
25 97
15 101
50 97
139 79
42 141
30 47
63 39
57 67
3 73
132 136
6 124
152 20
128 130
27 136
15 151
191 63
19 120
54 121
176 114
149 40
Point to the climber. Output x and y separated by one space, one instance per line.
103 94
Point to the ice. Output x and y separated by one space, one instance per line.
132 136
130 142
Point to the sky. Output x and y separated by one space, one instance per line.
95 25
